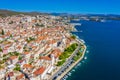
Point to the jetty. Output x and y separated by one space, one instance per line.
76 31
79 24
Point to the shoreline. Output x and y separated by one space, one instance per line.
74 64
80 42
80 59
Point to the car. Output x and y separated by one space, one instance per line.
55 78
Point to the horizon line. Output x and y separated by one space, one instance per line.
83 13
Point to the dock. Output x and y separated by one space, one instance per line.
75 24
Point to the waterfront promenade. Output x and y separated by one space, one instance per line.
73 65
63 70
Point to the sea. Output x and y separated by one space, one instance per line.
102 58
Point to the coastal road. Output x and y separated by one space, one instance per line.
66 64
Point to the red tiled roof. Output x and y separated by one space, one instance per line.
56 52
39 71
13 57
45 58
10 74
20 77
26 53
20 61
19 47
27 66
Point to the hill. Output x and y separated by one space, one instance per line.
4 13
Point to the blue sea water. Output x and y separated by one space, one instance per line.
103 51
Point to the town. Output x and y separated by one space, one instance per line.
33 47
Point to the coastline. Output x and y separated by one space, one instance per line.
59 76
74 64
73 26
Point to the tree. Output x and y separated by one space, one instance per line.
67 53
3 32
61 62
16 53
30 39
61 57
11 35
42 25
11 22
1 49
20 58
5 59
17 68
73 37
79 53
75 58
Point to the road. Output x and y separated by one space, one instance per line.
66 64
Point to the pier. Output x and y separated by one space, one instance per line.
76 31
79 24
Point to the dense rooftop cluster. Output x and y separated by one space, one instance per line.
30 46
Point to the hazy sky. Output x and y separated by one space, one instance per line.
70 6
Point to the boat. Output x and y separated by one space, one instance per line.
103 20
66 76
79 64
76 19
76 24
85 58
87 51
83 61
82 40
73 70
69 74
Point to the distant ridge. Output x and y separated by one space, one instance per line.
5 13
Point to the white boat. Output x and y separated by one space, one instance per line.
73 70
85 58
66 76
87 51
103 20
79 64
82 41
69 74
76 19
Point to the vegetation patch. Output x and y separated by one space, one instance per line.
66 54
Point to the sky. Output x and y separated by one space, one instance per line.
63 6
